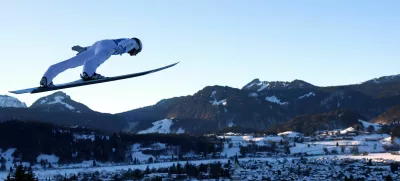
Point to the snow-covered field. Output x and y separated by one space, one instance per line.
247 139
373 144
162 127
49 173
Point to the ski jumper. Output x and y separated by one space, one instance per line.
93 57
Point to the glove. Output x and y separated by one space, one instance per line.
119 50
79 49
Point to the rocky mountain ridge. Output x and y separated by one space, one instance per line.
259 105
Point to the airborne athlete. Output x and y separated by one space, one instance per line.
91 58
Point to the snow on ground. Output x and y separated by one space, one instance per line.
290 134
215 102
264 86
373 156
221 102
274 99
312 150
58 99
138 154
232 133
253 95
8 101
8 155
84 136
162 126
307 95
44 174
158 146
366 143
245 140
50 158
367 124
141 157
180 131
229 152
347 130
397 140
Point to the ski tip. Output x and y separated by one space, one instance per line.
22 91
16 92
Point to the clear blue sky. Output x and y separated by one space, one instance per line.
217 42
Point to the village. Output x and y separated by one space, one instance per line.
347 154
343 154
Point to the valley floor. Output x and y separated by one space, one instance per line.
323 167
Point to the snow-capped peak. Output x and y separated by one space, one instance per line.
57 98
60 101
8 101
257 85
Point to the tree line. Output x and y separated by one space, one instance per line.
74 145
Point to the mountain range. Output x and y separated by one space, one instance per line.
58 108
258 105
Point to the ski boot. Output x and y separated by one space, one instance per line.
95 76
43 83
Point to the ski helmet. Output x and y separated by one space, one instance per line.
139 48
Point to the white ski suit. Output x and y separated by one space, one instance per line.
93 57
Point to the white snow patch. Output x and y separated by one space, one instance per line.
373 156
231 133
8 155
229 152
221 102
245 140
264 86
84 136
367 124
162 126
290 134
180 131
50 158
252 84
58 99
137 151
347 130
158 146
372 143
253 94
141 157
307 95
215 102
8 101
274 99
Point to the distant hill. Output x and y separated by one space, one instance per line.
390 116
